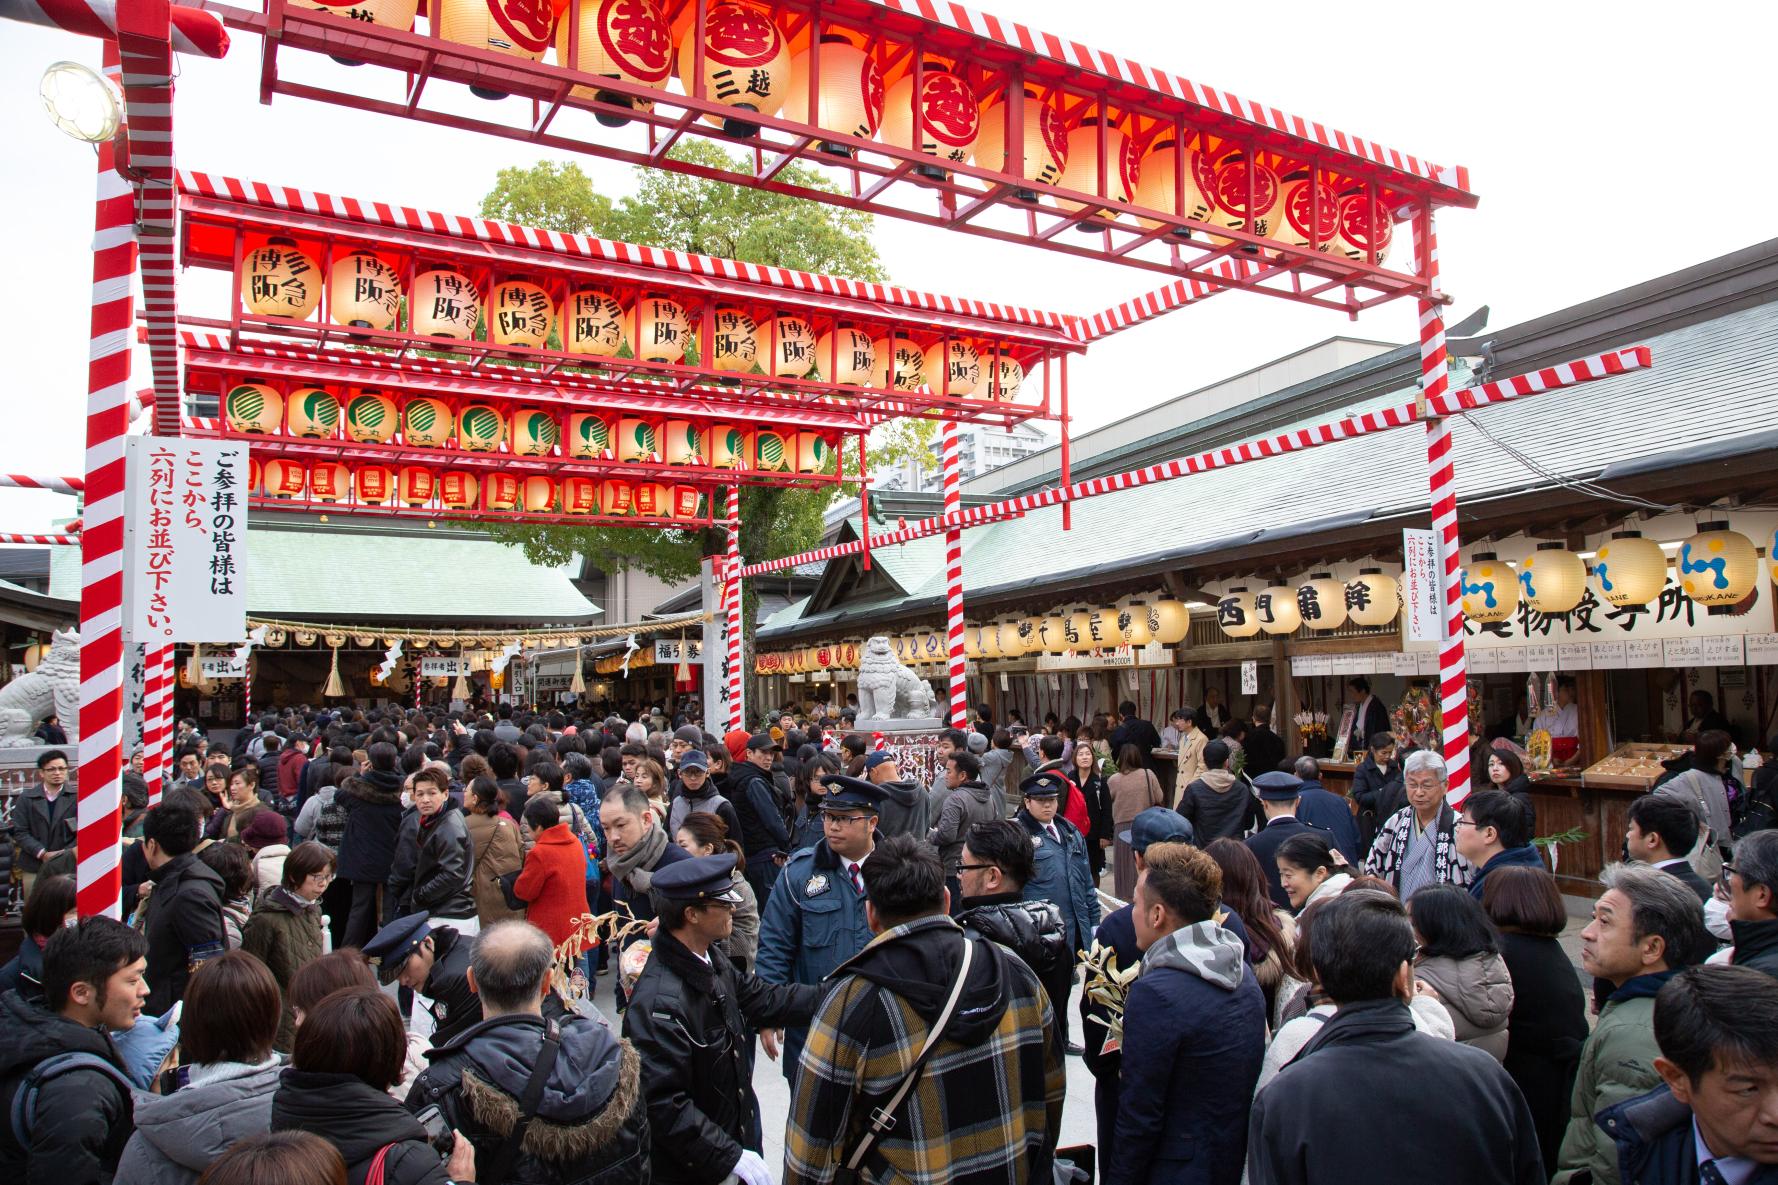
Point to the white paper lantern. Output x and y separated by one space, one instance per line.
1133 625
1373 598
848 95
1717 566
1276 609
1631 570
1321 602
1170 621
1044 142
1158 181
1235 613
952 367
1490 589
1081 172
1552 579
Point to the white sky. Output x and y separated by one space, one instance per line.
1610 143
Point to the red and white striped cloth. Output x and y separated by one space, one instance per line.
194 30
731 608
58 485
39 540
169 684
953 501
1164 300
148 132
156 694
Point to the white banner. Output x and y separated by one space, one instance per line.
185 535
1421 586
443 667
1104 660
223 666
1250 677
672 650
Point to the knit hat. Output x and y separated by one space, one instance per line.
263 830
977 742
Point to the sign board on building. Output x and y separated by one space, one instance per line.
1421 588
185 535
1099 660
1250 677
673 650
443 666
223 666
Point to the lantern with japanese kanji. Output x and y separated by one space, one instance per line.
659 329
1373 598
312 413
363 291
638 441
280 280
370 417
654 499
908 365
814 453
254 476
518 28
1051 634
1631 570
417 484
1170 621
1304 208
1552 579
520 314
845 356
538 494
580 495
444 303
1490 589
1005 377
746 62
792 346
629 40
771 451
1716 566
1075 633
1044 142
685 443
950 118
329 481
731 446
374 484
391 14
534 432
1133 624
457 489
285 479
1235 613
848 94
1081 170
736 346
1160 184
1241 204
688 502
1321 602
1357 229
480 427
253 408
426 421
617 498
592 323
952 367
589 436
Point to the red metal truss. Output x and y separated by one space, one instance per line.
441 514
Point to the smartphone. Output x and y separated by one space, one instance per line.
438 1132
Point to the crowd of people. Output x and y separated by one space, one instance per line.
362 947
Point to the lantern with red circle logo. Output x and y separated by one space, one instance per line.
848 95
1081 172
391 14
950 118
374 484
1301 204
1160 181
417 485
1358 229
746 63
518 28
457 489
329 481
580 495
628 40
1245 195
1044 141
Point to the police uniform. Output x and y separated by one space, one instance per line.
693 1023
445 997
1060 874
814 919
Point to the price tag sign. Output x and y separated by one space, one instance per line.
1644 652
1512 658
1404 663
1483 661
1542 656
1250 677
1574 656
1762 650
1682 652
1610 656
1299 667
1724 650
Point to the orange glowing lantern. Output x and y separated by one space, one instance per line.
520 314
444 303
253 408
688 502
1299 205
815 453
952 367
659 329
1081 172
363 291
638 441
1005 377
480 427
391 14
731 446
329 481
653 499
518 28
1158 183
848 94
771 451
1044 142
592 323
1357 231
580 495
427 422
371 417
909 364
254 476
538 493
746 63
628 40
589 436
736 346
845 357
280 280
534 432
685 443
1236 207
285 479
457 489
312 413
418 485
374 484
792 346
500 491
950 119
618 498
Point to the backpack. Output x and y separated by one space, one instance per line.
584 833
330 824
24 1101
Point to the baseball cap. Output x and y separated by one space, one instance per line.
1158 824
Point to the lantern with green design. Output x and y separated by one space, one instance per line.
370 417
638 441
253 408
312 413
534 432
684 442
814 453
772 452
589 436
426 421
480 427
731 446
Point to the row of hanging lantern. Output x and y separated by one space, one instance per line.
277 636
1323 602
370 416
415 486
365 290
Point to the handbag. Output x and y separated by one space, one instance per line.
882 1119
506 882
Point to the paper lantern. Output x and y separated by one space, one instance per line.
1081 172
418 484
500 491
1170 621
1233 205
1552 579
280 279
1299 205
254 476
370 417
444 303
391 14
1052 634
1076 632
638 441
1158 183
374 484
517 28
617 498
685 444
845 357
629 40
1372 597
990 642
534 433
659 329
772 452
950 118
457 489
654 499
329 481
580 495
1102 627
688 502
1235 613
1717 566
1490 589
538 493
285 479
520 314
1132 624
1044 141
1030 634
592 323
814 453
735 348
253 408
792 347
363 291
312 413
952 367
1353 238
972 642
909 364
1321 602
731 446
1005 377
589 436
426 422
848 94
1276 609
746 63
480 427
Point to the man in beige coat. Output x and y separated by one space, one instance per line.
1191 754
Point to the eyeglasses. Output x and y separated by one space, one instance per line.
832 818
55 769
975 867
1464 823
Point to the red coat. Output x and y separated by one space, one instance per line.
553 883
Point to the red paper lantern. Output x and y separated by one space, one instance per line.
253 475
1235 207
329 481
654 499
285 479
1156 184
418 485
688 502
457 489
1299 204
374 484
580 495
1044 140
617 498
520 28
538 494
500 491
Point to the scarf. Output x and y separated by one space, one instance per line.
634 866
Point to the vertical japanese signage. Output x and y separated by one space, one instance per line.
186 526
1422 585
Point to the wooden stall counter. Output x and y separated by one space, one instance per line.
1565 803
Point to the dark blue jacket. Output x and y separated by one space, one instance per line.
1062 875
1525 857
811 923
1655 1145
1321 807
1264 844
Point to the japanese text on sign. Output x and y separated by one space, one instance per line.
186 526
1422 586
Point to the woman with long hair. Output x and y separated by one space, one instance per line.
1134 789
1271 932
498 851
1101 832
705 834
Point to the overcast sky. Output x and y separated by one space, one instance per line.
1610 143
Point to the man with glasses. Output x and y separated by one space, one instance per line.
43 819
1752 882
814 919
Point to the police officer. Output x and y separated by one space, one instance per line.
692 1017
432 961
1060 875
814 919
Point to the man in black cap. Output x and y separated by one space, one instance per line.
1060 874
694 790
692 1017
1278 794
815 919
764 837
432 962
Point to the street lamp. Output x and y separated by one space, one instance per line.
81 102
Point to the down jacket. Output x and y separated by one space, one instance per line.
373 818
1478 993
178 1135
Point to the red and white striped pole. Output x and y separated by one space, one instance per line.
40 540
169 684
154 739
99 815
1453 683
953 501
58 485
731 608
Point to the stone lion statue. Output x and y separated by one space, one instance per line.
53 688
887 690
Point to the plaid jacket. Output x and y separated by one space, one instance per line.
1391 848
988 1106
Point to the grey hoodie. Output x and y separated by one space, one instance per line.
1203 949
178 1135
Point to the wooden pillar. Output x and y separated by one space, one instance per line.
1284 700
1594 715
